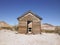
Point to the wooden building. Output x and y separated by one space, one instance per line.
29 23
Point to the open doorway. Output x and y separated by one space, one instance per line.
29 26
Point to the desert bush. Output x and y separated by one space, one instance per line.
57 30
15 28
0 28
8 28
48 31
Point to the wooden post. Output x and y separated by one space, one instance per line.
40 27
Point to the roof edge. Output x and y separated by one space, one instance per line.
31 13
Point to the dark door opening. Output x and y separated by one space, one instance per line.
29 26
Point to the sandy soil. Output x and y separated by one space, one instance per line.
8 37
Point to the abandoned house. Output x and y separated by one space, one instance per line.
29 23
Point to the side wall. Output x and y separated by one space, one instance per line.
22 27
36 27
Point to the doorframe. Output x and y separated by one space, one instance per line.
27 25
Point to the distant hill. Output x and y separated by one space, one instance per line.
47 26
4 25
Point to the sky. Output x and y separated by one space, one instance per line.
49 10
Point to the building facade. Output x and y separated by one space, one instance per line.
29 23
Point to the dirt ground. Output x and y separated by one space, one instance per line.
8 37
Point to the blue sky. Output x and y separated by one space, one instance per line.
49 10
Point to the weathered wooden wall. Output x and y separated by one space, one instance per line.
22 27
36 27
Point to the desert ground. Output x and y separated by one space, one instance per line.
8 37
